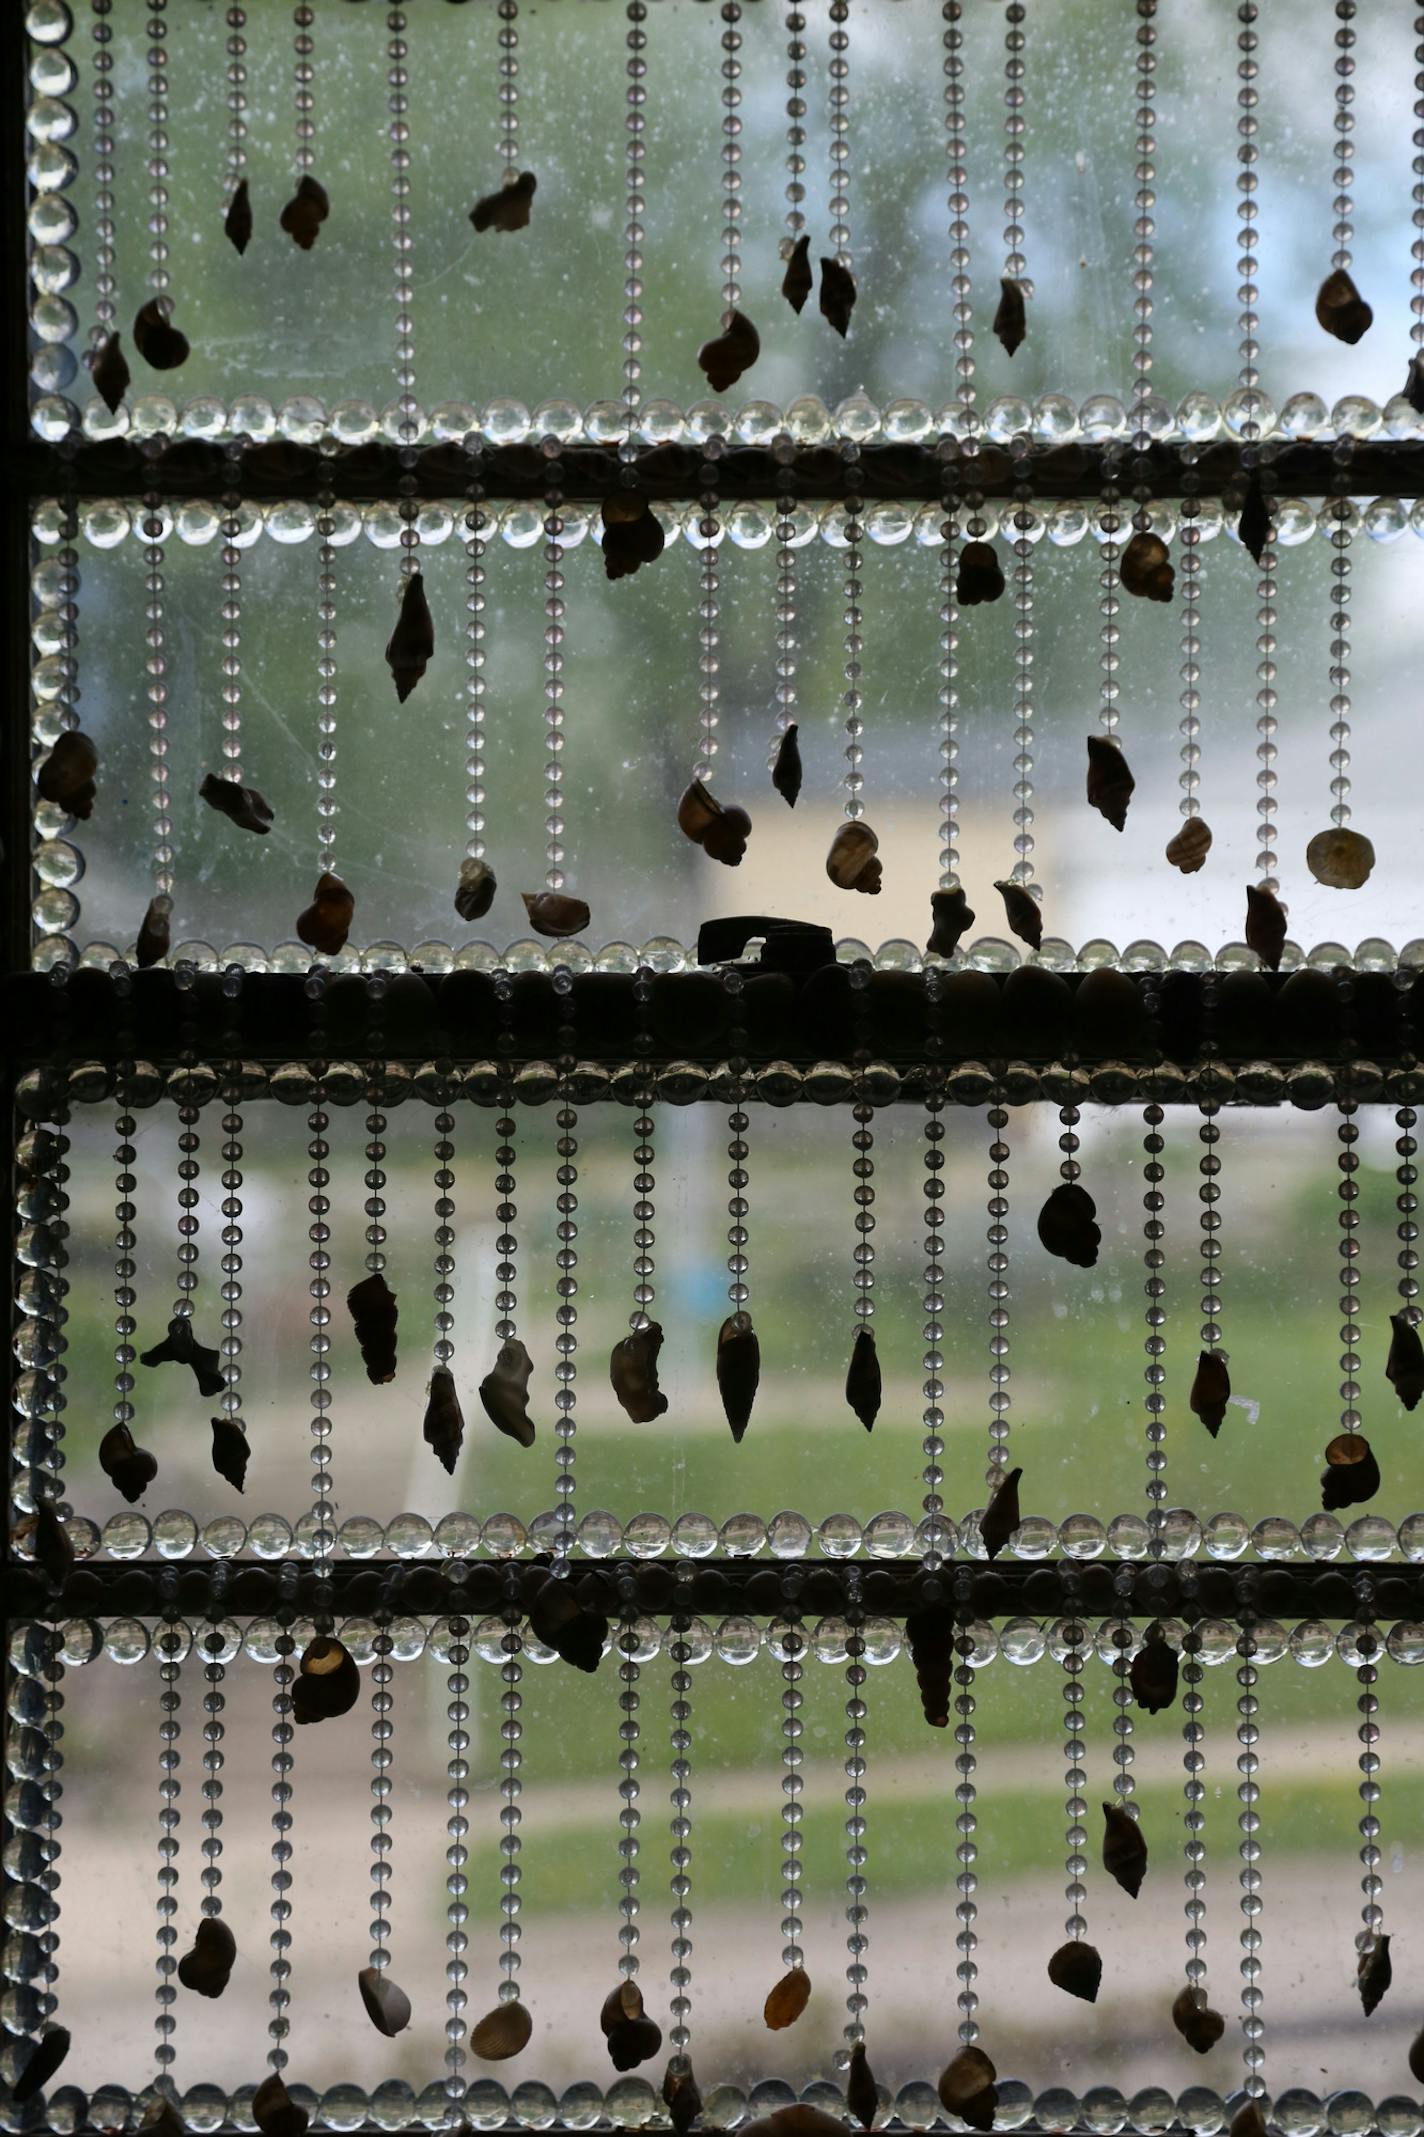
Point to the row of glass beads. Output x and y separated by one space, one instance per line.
1370 1539
736 1641
105 522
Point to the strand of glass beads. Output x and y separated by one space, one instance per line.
319 1320
105 278
1155 1343
156 669
477 520
839 72
997 1238
795 129
1110 521
629 1816
1015 265
852 697
303 76
966 1851
1209 1200
738 1265
1193 1817
949 695
935 1533
635 126
506 1245
457 1857
1371 1932
188 1144
51 1768
643 1212
1144 228
786 640
230 1341
731 266
235 168
1407 1203
1247 212
214 1705
230 612
1022 871
680 1854
509 89
1189 726
1416 250
793 1670
857 1911
1123 1702
1344 173
863 1171
398 83
1266 722
566 1341
382 1761
444 1152
960 288
326 804
1348 1165
1075 1778
125 1265
1248 1796
1342 513
279 1990
170 1700
554 825
158 145
709 661
511 1786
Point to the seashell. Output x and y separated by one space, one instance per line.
156 338
373 1310
1351 1472
1248 2121
862 1388
230 1451
1189 849
508 208
411 645
306 211
66 778
181 1347
1413 390
206 1969
1404 1367
162 2119
444 1426
274 2110
1340 308
1253 529
862 2093
1339 858
325 924
50 1543
1110 782
733 351
1067 1225
1153 1674
241 805
631 2035
951 916
154 934
722 833
237 223
474 893
738 1371
1265 925
1023 913
633 1370
787 2000
1124 1849
979 576
682 2099
1374 1974
966 2088
786 771
852 862
1010 317
1211 1390
798 2120
930 1633
501 2033
796 282
40 2065
130 1469
387 2005
110 373
561 1622
1077 1969
1200 2027
1416 2059
1146 568
632 534
504 1391
1000 1518
554 915
838 294
327 1683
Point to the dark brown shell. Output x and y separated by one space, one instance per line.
1110 781
386 2003
507 208
738 1371
838 294
632 534
241 805
181 1347
1351 1475
1191 845
797 280
1211 1390
1413 390
274 2110
554 914
43 2060
306 211
1023 913
1340 308
1253 528
237 223
787 1999
1374 1973
682 2099
721 831
979 576
786 772
1248 2121
633 1370
502 2032
1077 1969
327 1683
411 646
1416 2057
631 2035
1124 1849
863 1385
154 935
207 1968
373 1310
853 862
1010 318
1265 926
50 1543
129 1468
1200 2027
1153 1674
230 1451
560 1620
1001 1516
930 1634
110 373
66 778
724 359
474 893
1404 1367
325 924
951 918
444 1428
966 2088
1340 858
1068 1227
862 2094
157 340
1146 567
504 1392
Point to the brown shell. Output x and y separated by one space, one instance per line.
1146 567
1404 1367
966 2088
157 340
207 1968
555 915
110 373
1374 1973
682 2099
1068 1227
853 863
631 2035
979 576
411 645
1110 781
786 771
1339 858
951 918
327 1683
1351 1472
1413 391
863 1384
1189 849
325 924
241 805
862 2093
930 1634
1124 1849
838 294
1340 308
557 1617
1253 528
1153 1675
1001 1517
633 1370
1010 318
1077 1969
787 2000
723 359
66 778
797 280
1416 2058
507 208
386 2002
738 1371
274 2110
504 1391
237 223
1248 2121
181 1347
374 1313
1200 2027
444 1428
230 1451
306 211
474 893
632 534
154 935
129 1468
501 2033
1023 913
1211 1390
722 832
43 2060
1265 926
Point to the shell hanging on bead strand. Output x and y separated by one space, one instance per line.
979 576
682 2098
797 280
1200 2027
1265 925
1351 1475
729 354
1146 567
274 2110
1191 845
504 1391
157 340
443 1429
1253 528
951 917
207 1968
1077 1968
501 2033
237 223
787 1999
1110 781
853 863
306 211
474 893
411 645
862 2093
1404 1367
230 1451
561 1621
1340 308
1211 1390
1153 1675
555 915
66 778
129 1467
1340 858
110 373
1068 1227
155 933
1023 912
1124 1849
863 1380
327 1683
738 1371
507 208
967 2088
1011 317
1375 1972
786 771
325 924
631 2035
633 534
242 806
721 832
43 2060
999 1522
374 1313
181 1347
633 1371
386 2003
838 294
